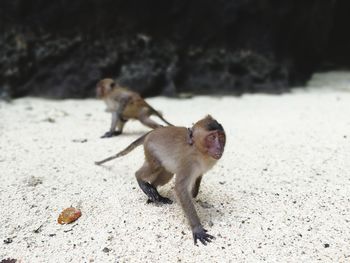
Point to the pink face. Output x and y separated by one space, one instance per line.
215 143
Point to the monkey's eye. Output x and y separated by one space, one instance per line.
222 138
112 85
212 137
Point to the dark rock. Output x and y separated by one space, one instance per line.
61 49
38 230
34 181
8 260
80 140
8 240
106 250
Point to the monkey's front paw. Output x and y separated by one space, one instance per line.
201 234
111 134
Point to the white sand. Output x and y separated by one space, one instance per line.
279 194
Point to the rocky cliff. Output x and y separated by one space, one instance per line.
61 48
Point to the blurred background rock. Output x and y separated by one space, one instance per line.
59 49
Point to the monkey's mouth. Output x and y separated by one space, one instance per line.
217 155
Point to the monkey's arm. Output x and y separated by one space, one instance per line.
196 186
184 196
117 119
112 132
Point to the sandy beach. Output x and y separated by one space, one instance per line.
280 193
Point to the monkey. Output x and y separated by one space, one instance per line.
186 152
124 105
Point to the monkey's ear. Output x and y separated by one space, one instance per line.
209 117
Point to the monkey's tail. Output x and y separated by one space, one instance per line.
160 116
128 149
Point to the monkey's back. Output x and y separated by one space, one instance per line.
169 146
134 106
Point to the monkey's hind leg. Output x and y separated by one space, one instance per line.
152 193
145 119
145 174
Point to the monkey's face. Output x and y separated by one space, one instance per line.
215 143
104 87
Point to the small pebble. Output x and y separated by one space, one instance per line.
49 119
8 240
69 215
80 140
34 181
8 260
106 250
